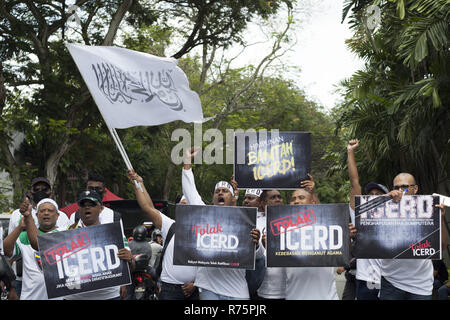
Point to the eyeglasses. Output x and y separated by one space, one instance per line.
403 186
88 204
40 189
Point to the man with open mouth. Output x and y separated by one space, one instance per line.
217 283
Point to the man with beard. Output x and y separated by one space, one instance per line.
40 189
217 283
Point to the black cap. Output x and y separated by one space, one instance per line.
90 195
40 179
374 185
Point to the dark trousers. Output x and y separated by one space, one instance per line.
171 291
349 292
389 292
366 290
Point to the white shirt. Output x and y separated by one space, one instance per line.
223 281
310 283
411 275
33 283
62 222
274 283
172 273
366 269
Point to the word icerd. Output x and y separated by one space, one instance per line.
279 160
415 207
312 238
213 238
422 249
89 261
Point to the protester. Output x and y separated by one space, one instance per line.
368 274
40 188
24 243
217 283
95 183
310 283
273 285
90 204
444 291
408 279
177 282
440 274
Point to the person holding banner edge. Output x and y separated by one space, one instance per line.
367 270
310 283
177 282
409 279
217 283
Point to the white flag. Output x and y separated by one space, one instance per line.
133 88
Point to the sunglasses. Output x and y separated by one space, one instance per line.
40 189
87 204
403 186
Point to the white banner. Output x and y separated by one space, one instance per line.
133 88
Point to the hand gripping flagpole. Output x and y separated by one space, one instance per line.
122 151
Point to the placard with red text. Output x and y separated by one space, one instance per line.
408 229
84 259
308 235
214 236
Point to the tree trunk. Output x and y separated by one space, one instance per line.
169 175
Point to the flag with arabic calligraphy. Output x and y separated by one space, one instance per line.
133 88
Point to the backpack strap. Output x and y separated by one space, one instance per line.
170 234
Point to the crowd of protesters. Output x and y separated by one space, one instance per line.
366 279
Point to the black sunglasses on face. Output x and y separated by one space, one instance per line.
41 188
87 204
403 186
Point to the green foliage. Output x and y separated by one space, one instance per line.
398 105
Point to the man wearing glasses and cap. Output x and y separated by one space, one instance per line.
90 204
40 189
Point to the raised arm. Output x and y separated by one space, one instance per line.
187 178
311 186
355 187
144 200
10 240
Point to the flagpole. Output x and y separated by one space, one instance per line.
122 151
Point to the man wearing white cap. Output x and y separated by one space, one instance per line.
40 188
21 243
217 283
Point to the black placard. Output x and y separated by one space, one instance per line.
272 160
214 236
308 235
83 259
408 229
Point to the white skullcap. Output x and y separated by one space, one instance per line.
47 200
224 184
255 192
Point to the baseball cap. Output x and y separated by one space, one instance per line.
40 179
90 195
374 185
